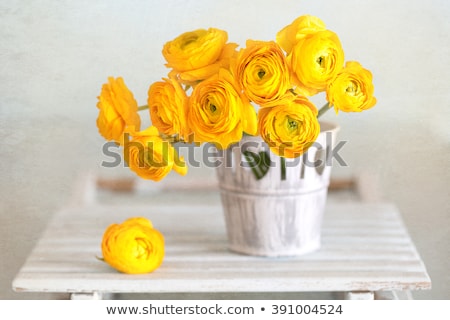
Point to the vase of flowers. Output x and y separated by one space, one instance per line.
280 212
237 99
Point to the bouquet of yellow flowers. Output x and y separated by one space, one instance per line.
215 93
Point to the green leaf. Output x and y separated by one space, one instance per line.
258 162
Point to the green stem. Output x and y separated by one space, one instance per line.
250 158
283 168
258 162
140 108
324 109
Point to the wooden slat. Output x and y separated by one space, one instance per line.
365 247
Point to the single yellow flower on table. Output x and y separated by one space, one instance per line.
167 103
117 110
315 60
289 127
133 246
219 113
151 157
262 71
352 89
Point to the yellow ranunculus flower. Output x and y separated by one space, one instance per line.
352 89
262 71
219 113
290 127
118 110
150 157
195 49
288 37
133 246
198 54
315 61
192 77
167 103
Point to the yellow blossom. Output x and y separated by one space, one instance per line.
315 60
288 37
352 89
198 54
219 113
117 110
133 246
167 102
193 77
262 71
289 127
150 157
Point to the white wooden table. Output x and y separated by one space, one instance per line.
366 252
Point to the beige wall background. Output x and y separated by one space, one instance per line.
56 54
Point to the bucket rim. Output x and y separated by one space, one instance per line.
329 126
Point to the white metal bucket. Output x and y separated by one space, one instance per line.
274 216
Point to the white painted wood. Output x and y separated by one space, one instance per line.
273 216
92 296
393 295
360 295
86 296
367 186
365 247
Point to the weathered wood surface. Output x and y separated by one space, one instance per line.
365 247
